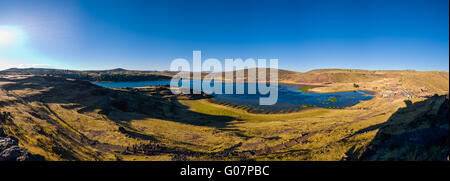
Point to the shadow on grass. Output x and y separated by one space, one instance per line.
420 131
118 105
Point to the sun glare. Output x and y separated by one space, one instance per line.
10 35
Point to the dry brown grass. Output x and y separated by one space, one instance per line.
58 129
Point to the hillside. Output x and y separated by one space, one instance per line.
427 79
387 83
114 75
10 151
419 131
67 119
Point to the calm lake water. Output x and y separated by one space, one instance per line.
289 96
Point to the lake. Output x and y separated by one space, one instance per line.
289 96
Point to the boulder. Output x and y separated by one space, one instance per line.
10 151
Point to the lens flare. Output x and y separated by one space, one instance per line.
11 36
6 37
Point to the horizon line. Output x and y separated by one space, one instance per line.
124 69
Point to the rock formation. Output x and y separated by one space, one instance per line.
10 151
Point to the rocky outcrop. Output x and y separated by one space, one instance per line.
10 151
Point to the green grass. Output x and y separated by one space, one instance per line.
203 106
304 89
332 99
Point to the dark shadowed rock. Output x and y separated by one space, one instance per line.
2 134
122 130
10 151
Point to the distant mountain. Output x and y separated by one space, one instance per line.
114 75
323 76
118 70
431 79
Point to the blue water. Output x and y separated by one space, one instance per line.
289 97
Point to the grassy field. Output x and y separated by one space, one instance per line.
63 119
329 126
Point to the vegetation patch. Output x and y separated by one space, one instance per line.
304 89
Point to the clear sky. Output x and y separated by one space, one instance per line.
148 35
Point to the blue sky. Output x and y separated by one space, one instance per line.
148 35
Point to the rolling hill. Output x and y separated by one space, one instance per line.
54 114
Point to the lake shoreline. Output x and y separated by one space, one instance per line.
299 85
289 97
